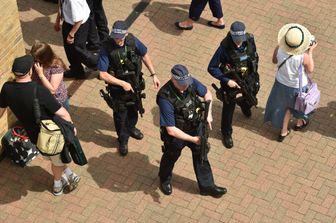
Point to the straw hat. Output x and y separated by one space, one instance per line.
294 38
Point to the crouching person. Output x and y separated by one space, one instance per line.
19 96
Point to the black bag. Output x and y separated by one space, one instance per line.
18 147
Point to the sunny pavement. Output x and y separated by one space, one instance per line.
267 181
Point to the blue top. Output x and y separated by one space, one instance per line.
221 56
103 62
167 117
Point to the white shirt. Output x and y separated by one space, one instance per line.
75 11
288 74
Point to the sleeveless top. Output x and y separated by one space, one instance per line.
288 74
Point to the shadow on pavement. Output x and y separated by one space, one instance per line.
164 15
323 120
254 124
94 125
16 182
134 172
41 28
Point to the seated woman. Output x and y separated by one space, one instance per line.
295 50
49 69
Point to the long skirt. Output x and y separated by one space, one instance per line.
280 99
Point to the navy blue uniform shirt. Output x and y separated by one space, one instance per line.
103 62
167 117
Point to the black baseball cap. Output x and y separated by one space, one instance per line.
22 65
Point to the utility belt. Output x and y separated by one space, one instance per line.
187 128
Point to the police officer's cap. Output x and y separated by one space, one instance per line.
119 30
181 74
238 32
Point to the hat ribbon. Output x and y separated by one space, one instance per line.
302 37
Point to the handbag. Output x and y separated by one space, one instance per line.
50 140
307 102
18 147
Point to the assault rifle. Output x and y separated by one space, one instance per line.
107 98
232 94
137 92
204 131
244 88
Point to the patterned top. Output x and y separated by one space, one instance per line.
61 94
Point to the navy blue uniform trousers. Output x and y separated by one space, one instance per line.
124 122
171 154
228 110
197 7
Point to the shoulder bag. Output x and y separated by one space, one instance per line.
50 140
306 102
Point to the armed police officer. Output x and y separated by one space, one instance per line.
235 64
180 117
120 66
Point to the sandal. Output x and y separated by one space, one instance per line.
211 24
177 24
281 137
302 127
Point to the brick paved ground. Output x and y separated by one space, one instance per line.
267 181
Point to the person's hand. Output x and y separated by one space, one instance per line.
38 69
209 119
57 26
70 39
127 86
233 84
197 140
156 82
313 47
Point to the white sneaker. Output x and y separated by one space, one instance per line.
59 190
73 181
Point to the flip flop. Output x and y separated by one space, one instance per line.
177 24
281 137
216 26
302 127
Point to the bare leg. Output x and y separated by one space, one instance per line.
187 23
57 171
300 122
284 130
219 22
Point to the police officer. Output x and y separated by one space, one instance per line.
179 104
119 66
236 51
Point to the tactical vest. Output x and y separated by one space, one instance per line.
125 64
187 108
240 57
124 59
